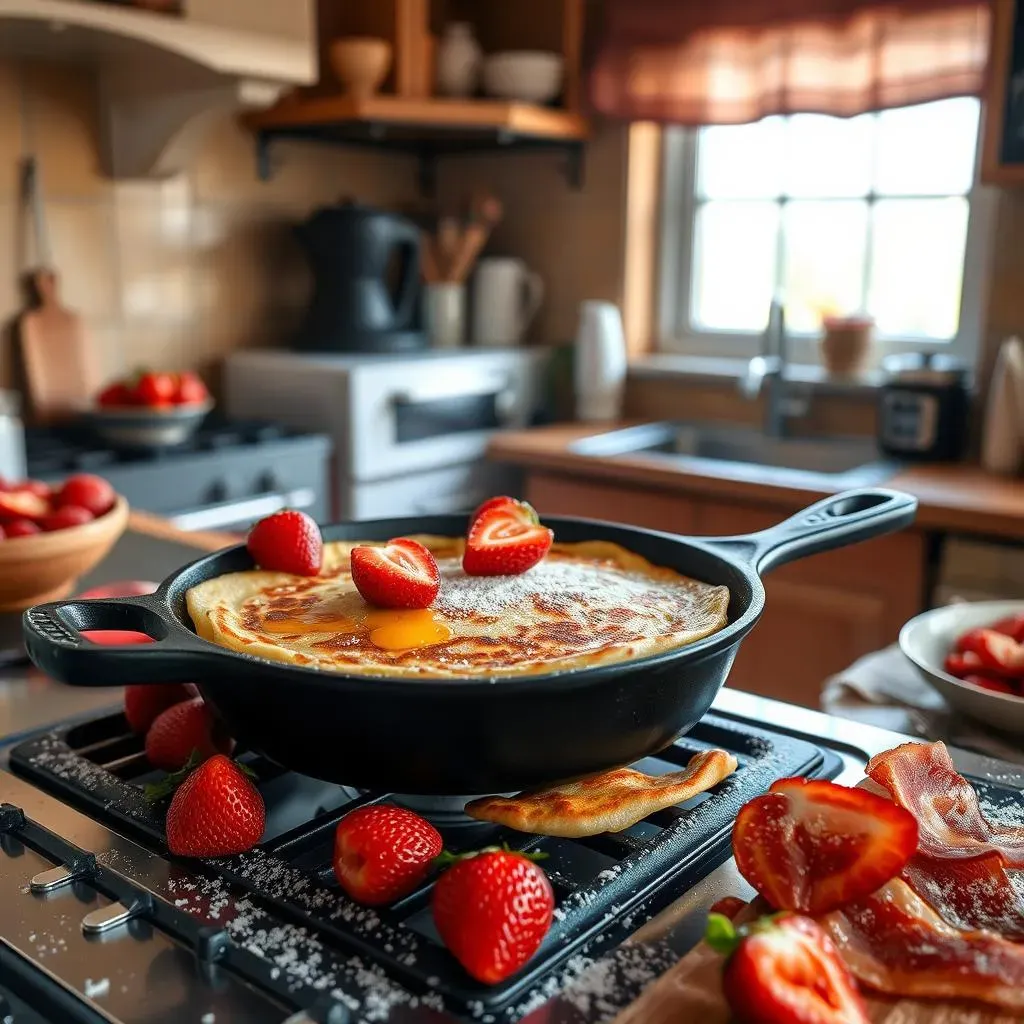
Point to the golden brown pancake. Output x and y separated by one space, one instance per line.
609 802
585 604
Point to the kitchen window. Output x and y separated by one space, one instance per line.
876 214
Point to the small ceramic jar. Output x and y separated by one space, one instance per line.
458 61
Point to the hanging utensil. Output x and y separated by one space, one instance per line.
61 366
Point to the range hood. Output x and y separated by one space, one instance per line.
163 77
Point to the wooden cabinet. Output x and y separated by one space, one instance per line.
821 614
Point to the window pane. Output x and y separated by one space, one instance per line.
917 266
929 149
740 161
823 272
828 156
734 265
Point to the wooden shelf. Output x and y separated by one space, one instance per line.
422 118
428 128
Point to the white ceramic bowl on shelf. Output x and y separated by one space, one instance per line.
928 638
529 76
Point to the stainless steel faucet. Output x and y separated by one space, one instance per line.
768 371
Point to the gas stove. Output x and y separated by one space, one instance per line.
227 475
99 923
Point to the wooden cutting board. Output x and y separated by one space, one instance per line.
61 367
691 991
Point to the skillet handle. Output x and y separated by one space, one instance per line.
55 643
845 518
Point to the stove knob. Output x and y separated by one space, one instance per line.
217 492
268 483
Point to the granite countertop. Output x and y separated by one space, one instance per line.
955 497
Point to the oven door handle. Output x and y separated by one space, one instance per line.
231 513
469 388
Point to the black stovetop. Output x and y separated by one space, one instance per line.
285 928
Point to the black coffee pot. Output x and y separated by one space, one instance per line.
366 269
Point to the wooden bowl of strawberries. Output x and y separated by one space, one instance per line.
150 410
49 537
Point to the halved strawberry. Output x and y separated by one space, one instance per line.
505 539
499 502
23 505
813 846
400 574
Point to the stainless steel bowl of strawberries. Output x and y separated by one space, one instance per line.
152 409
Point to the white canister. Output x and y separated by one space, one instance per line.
506 298
600 364
444 313
457 61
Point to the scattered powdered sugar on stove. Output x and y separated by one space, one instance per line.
1002 809
603 988
96 989
208 1018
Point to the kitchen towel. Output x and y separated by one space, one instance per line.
884 689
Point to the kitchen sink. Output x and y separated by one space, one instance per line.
742 453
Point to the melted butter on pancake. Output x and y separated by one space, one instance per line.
585 604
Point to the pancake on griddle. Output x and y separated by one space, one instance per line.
585 604
609 802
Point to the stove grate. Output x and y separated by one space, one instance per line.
603 884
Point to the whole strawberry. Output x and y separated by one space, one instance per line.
493 910
381 853
216 811
287 541
180 730
144 704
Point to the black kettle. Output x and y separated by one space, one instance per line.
366 291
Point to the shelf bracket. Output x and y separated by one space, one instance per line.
264 168
427 172
574 165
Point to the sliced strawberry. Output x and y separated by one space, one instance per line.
501 501
505 539
36 487
813 846
381 852
992 683
401 574
21 504
959 665
999 654
287 541
1013 626
784 970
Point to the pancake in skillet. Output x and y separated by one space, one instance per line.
585 604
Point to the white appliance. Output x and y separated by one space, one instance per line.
600 365
409 431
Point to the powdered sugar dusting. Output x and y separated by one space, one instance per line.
561 583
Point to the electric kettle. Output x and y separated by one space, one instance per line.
366 281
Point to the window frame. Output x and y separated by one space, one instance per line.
675 269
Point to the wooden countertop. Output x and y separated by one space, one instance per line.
955 498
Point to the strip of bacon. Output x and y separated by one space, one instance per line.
970 892
922 778
894 943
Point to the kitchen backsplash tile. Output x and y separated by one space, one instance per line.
174 272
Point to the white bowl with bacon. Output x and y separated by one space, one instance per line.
930 639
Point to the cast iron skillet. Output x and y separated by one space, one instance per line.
455 736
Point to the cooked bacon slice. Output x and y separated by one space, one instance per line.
922 778
894 943
970 892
